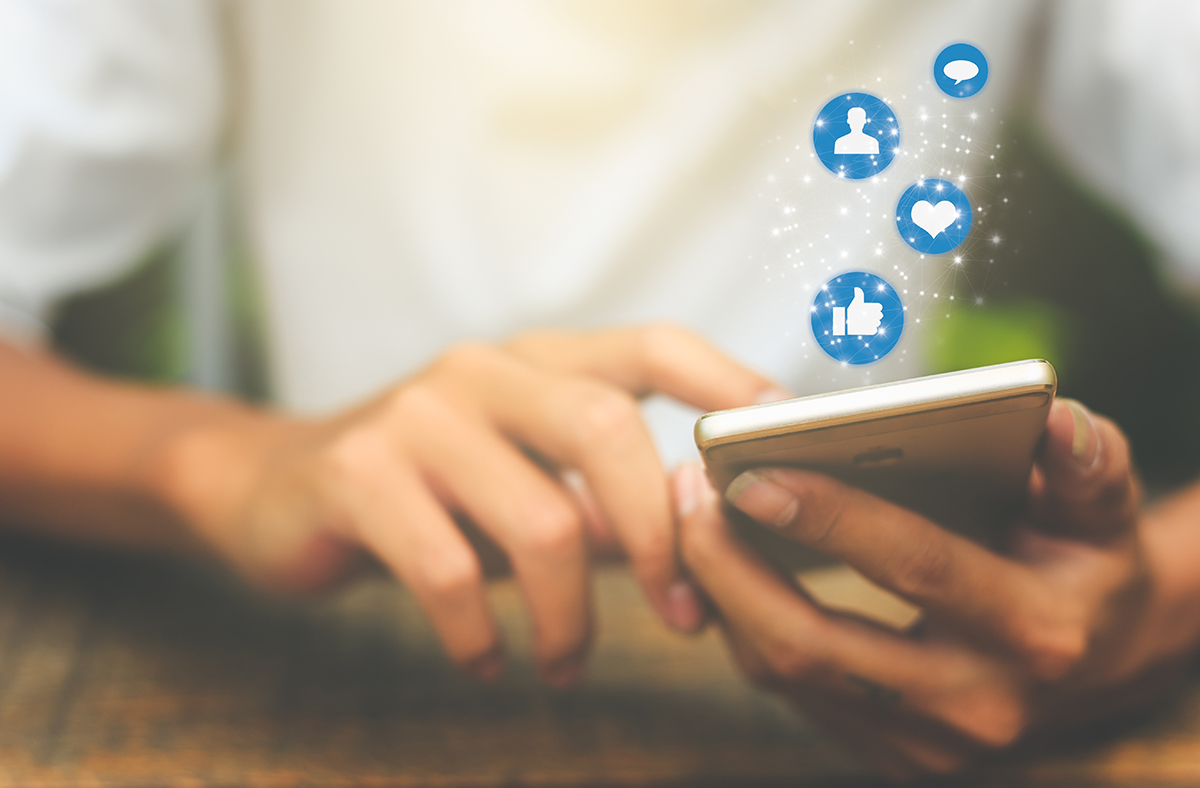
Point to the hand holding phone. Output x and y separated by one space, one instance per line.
956 447
1087 610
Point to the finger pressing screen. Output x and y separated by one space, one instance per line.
534 521
592 426
396 517
659 358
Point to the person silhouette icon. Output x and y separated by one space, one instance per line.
871 145
856 141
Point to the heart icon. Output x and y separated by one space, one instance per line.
934 219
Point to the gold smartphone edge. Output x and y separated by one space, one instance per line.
878 401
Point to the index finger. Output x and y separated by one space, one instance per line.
596 428
949 576
657 358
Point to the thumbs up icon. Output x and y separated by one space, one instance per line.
860 318
852 329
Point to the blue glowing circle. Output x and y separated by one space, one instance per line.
933 216
960 80
853 328
863 149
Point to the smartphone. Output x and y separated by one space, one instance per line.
956 447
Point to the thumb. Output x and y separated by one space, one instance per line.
1090 488
858 296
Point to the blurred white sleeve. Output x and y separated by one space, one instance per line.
109 113
1121 101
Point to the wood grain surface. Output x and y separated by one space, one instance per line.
120 671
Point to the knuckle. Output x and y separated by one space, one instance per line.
995 722
660 341
792 662
1115 492
823 507
1115 488
824 524
698 543
604 412
654 549
450 579
416 401
356 454
465 358
1000 736
1051 651
924 569
553 528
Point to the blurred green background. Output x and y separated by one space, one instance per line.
1076 285
137 327
1080 286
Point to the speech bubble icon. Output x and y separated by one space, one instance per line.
958 70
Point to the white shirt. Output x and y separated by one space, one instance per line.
415 174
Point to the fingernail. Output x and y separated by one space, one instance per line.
755 494
773 394
689 483
684 610
489 667
1084 444
564 673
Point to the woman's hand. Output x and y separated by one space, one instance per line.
486 436
1076 620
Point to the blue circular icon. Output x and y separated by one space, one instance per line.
857 318
856 135
960 70
933 216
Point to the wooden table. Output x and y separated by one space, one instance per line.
129 671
